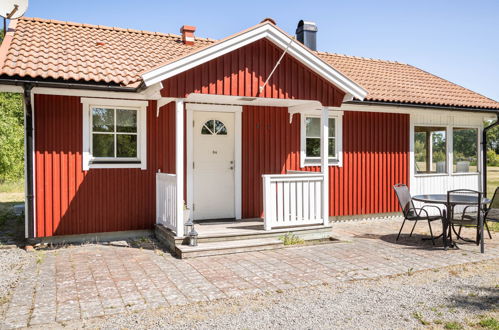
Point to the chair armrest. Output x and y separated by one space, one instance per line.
478 212
418 214
436 207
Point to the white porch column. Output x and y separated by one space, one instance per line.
179 163
325 164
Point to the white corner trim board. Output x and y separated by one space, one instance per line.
141 106
273 34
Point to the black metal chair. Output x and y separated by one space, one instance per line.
465 214
411 213
492 212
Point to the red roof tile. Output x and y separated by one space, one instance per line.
40 48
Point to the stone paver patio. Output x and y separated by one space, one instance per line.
94 280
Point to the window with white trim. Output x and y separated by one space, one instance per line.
465 149
446 149
114 133
311 140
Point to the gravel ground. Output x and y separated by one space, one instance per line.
461 294
12 262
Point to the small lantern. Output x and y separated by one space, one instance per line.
193 237
188 226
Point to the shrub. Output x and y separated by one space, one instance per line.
492 158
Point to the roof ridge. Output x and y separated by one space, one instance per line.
360 57
104 27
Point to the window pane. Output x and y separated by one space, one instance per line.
332 127
220 128
465 149
102 120
313 148
126 121
313 127
430 150
103 145
332 147
126 146
208 128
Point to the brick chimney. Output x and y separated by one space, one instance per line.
188 34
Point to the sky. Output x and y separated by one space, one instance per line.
457 40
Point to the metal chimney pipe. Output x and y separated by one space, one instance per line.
306 33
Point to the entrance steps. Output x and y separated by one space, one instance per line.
219 238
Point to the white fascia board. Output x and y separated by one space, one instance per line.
150 93
305 107
271 33
203 56
11 89
413 110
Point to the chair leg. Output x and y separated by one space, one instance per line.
451 227
488 231
482 239
478 235
398 236
459 232
431 233
415 222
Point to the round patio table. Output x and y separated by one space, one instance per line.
455 200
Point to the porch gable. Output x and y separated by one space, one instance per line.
283 44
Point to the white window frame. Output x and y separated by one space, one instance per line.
88 159
316 161
448 153
449 149
478 149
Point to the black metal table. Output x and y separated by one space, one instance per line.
442 200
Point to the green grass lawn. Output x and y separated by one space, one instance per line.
492 180
11 194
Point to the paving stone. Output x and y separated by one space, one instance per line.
94 280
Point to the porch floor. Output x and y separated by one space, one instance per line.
235 228
216 237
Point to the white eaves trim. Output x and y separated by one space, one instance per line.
11 89
150 93
271 33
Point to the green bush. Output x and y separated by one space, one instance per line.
492 158
11 137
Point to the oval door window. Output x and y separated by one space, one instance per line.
214 127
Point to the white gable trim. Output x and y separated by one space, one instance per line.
271 33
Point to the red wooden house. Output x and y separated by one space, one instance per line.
123 126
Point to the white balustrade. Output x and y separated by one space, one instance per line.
292 199
166 201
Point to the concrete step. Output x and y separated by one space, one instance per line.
227 247
306 233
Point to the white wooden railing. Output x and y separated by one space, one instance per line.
166 200
292 199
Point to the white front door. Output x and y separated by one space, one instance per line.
213 165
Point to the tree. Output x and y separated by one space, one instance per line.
11 137
493 138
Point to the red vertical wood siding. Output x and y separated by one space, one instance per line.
72 201
270 145
244 70
375 157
